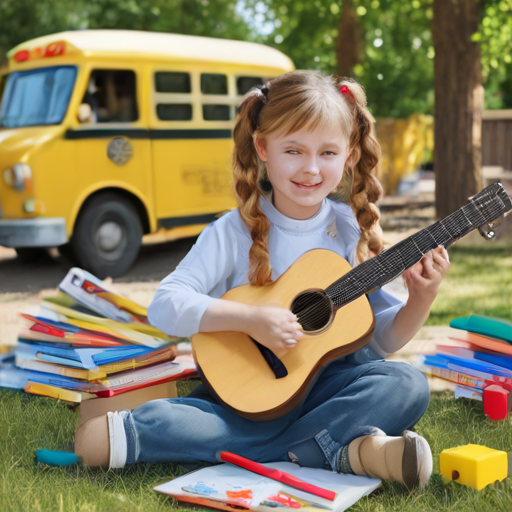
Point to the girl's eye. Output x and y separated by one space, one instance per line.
294 151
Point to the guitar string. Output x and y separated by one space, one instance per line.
362 282
310 308
425 232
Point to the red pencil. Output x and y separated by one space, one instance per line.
278 475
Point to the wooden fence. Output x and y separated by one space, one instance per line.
497 138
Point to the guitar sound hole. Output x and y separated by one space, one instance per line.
314 310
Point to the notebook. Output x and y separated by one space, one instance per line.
227 487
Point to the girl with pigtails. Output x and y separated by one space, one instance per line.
303 176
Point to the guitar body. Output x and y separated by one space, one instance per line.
234 370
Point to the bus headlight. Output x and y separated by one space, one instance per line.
19 176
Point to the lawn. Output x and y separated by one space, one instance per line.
28 423
479 281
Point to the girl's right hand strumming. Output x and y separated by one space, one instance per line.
276 328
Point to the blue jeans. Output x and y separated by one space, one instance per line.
347 401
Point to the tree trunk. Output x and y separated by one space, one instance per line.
350 40
459 97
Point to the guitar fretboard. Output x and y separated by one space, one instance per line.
486 206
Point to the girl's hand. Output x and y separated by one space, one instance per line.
424 278
276 328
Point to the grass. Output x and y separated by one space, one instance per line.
479 282
28 423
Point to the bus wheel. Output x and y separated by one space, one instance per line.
107 236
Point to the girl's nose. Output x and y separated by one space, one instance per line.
311 166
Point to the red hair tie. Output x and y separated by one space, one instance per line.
345 90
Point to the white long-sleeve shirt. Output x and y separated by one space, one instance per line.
219 261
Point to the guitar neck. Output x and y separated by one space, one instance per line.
486 206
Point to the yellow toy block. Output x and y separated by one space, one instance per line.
474 465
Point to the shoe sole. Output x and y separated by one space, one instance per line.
417 461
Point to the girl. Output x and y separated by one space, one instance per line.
302 176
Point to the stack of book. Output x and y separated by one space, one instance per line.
478 354
89 343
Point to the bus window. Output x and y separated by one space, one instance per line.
245 83
172 82
112 96
37 97
174 112
216 112
214 83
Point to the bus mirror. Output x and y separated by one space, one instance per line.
84 113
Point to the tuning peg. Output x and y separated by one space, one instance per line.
490 230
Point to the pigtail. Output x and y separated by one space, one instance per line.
247 174
364 188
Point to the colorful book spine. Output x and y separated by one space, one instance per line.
35 388
56 369
456 377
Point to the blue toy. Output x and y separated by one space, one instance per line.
55 458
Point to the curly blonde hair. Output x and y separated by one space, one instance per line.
289 103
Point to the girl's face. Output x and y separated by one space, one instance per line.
300 159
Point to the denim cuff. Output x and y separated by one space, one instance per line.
132 441
330 448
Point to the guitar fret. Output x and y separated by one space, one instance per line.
427 231
443 234
474 213
485 207
434 233
423 242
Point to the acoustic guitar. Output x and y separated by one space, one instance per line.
337 319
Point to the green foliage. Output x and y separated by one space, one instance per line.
397 66
21 20
495 38
212 18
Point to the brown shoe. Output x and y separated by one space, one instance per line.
406 459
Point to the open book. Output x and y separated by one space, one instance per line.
227 486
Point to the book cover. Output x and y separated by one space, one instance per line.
484 325
54 309
93 294
483 342
226 486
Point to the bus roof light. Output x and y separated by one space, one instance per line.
55 49
22 56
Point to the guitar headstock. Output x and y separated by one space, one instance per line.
493 203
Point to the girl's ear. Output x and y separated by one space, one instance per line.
347 160
259 144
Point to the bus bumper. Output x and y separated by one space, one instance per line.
35 232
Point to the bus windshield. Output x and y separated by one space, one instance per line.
37 97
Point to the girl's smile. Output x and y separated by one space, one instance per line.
304 168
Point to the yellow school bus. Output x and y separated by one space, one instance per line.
109 135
